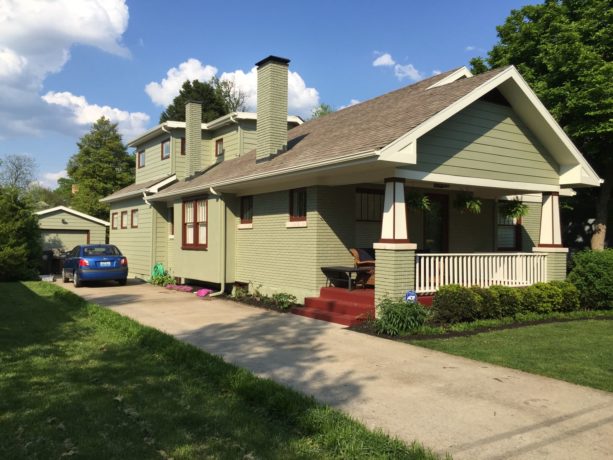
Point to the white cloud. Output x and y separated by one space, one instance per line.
84 114
301 99
164 92
470 48
384 60
407 71
49 179
36 37
351 102
436 72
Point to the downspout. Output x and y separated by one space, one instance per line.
222 230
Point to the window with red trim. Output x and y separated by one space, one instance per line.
297 204
508 231
140 158
246 209
195 231
134 218
165 149
219 147
114 221
124 219
182 146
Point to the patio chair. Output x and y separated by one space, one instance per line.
364 257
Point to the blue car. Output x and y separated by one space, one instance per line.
95 262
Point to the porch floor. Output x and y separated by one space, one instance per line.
338 305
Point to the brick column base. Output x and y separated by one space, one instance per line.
395 270
556 262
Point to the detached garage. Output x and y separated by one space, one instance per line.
64 228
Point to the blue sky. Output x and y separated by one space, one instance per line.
64 63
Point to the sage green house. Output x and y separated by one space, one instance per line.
454 179
63 228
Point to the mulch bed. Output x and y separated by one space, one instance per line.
367 328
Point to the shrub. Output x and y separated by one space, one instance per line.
592 274
162 279
454 304
541 298
489 303
398 317
283 300
509 299
570 296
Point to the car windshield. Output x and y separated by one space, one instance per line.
93 251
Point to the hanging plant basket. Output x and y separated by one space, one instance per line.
514 209
416 200
466 202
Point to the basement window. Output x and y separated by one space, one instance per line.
195 216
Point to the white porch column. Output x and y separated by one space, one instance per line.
394 225
551 232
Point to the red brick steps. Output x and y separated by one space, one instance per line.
338 305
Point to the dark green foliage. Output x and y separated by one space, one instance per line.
489 303
212 99
509 299
101 167
20 247
592 274
454 304
398 317
541 298
570 296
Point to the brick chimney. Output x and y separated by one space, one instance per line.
272 106
193 137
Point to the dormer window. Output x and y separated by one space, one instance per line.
140 157
219 147
166 149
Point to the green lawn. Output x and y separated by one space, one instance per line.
577 351
79 380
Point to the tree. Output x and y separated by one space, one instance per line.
101 167
17 171
213 103
20 239
233 97
43 198
563 48
321 110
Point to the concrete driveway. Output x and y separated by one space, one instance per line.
467 408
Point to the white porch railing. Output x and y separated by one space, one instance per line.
478 269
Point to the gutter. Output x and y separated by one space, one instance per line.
278 172
222 230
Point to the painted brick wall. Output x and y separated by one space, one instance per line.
395 273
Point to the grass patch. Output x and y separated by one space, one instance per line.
576 351
80 380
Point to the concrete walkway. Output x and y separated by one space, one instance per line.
467 408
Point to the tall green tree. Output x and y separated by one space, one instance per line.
20 240
563 48
101 167
212 99
321 110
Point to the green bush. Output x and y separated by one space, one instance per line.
455 304
489 303
398 317
162 279
509 300
284 300
592 274
541 298
570 296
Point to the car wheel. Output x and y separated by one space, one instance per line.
123 281
64 276
76 279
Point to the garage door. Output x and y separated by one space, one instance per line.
64 239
